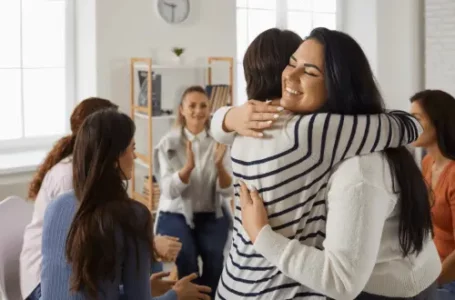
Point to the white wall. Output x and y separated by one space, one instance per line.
440 45
126 29
391 34
110 32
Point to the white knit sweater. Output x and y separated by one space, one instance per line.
361 208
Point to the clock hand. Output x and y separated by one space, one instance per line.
173 12
169 4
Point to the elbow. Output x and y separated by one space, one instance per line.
346 282
170 194
227 192
346 289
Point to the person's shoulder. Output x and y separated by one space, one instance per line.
141 212
59 178
62 168
171 140
372 169
61 203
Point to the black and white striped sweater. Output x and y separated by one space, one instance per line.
290 168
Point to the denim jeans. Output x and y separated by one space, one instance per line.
447 291
36 294
207 241
428 294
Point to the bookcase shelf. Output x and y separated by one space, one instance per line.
150 193
162 117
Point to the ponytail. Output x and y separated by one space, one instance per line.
62 149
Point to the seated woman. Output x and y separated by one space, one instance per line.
96 237
53 178
436 110
377 236
195 178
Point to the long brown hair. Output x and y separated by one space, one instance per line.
64 147
107 220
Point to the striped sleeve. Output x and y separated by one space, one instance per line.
344 136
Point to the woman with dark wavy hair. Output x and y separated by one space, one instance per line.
436 111
96 238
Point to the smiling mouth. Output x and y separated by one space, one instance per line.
293 92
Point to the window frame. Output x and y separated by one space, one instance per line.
45 142
281 10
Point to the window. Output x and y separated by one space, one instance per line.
255 16
35 93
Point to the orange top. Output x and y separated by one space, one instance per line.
443 209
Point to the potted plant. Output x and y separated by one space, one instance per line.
178 54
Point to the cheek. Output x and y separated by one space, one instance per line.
427 137
314 94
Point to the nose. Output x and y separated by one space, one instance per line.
292 76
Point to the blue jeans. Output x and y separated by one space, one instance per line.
207 240
36 294
428 294
447 291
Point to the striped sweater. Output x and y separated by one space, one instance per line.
290 167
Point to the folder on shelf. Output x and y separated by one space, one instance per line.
218 95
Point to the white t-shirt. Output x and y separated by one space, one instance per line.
57 181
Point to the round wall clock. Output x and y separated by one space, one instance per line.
174 11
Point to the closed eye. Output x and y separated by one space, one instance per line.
311 74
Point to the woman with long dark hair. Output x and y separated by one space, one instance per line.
53 178
435 110
377 232
96 238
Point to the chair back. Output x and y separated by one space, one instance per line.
15 215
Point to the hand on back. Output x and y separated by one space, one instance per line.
251 118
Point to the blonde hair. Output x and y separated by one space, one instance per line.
180 120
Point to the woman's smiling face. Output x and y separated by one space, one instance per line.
303 79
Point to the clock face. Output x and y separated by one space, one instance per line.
174 11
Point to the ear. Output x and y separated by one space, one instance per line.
181 109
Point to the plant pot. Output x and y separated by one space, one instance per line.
177 60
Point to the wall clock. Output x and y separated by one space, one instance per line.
174 11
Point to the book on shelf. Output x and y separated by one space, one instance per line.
155 192
219 95
156 91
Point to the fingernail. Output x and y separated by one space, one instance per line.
269 122
253 188
276 116
279 108
268 101
260 134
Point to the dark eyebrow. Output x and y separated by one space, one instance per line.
293 58
312 66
